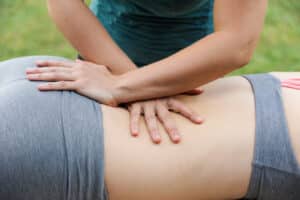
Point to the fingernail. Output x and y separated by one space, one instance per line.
176 138
29 70
198 119
157 141
38 62
42 86
135 133
156 136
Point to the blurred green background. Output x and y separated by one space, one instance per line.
26 29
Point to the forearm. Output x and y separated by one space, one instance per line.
86 33
238 25
200 63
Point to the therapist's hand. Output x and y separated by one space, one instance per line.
97 82
86 78
160 110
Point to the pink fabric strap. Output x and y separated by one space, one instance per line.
293 83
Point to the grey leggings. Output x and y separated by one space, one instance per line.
51 143
275 171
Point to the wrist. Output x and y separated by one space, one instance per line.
120 90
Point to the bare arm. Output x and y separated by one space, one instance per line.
86 33
238 25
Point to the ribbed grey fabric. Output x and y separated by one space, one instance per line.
51 143
275 172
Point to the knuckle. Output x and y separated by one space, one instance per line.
134 107
164 114
77 73
170 101
191 114
150 117
55 75
161 104
134 120
51 85
63 84
55 62
79 66
187 113
153 130
38 70
49 76
135 113
171 104
61 74
149 103
83 81
53 70
171 129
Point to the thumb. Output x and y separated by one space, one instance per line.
195 91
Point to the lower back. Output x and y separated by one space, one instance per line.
213 160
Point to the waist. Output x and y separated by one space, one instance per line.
196 159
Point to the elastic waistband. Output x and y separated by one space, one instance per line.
272 141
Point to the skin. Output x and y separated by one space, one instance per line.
86 79
237 27
203 162
95 44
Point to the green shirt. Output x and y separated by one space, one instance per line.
149 30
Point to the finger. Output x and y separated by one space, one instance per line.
151 122
61 85
51 76
87 62
195 91
185 111
168 123
48 69
54 63
135 114
84 62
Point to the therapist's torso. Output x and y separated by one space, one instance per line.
149 30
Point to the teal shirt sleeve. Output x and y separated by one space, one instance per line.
148 31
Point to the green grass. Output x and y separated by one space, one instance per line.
26 29
279 46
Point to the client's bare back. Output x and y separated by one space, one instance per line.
213 161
